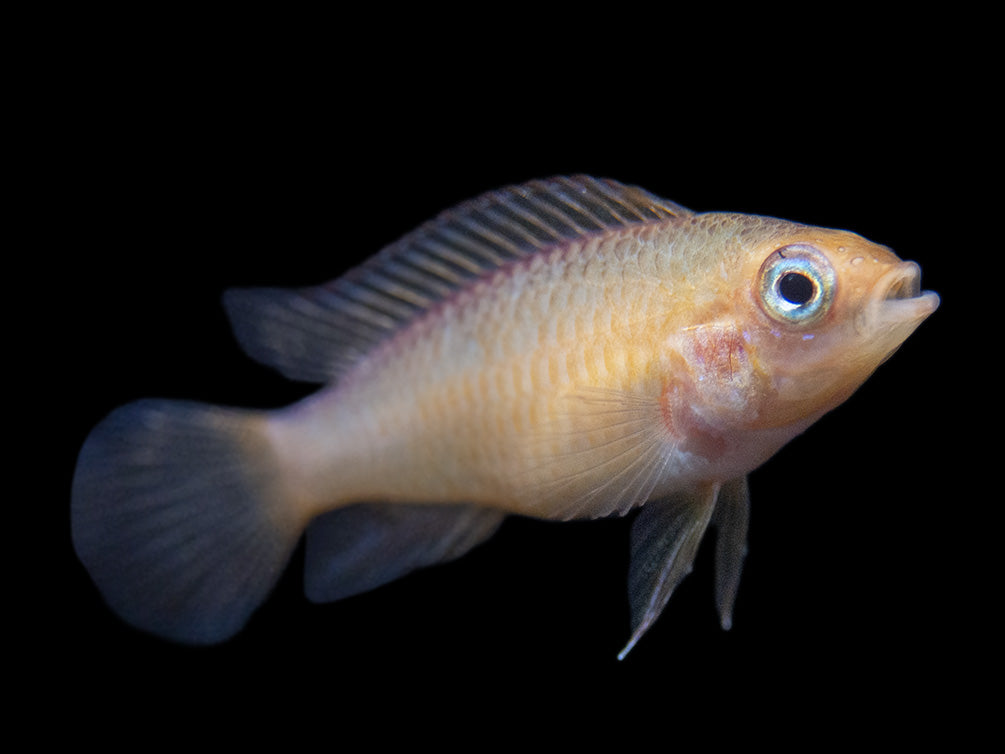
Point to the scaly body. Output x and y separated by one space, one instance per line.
478 403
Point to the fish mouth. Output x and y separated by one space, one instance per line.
899 297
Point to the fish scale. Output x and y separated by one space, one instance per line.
452 393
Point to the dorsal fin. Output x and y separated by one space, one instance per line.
315 334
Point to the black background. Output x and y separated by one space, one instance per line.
166 168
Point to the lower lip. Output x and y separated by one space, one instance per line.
912 308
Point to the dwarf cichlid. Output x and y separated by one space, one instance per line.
568 348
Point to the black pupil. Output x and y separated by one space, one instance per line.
795 288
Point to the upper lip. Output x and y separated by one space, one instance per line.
904 281
900 295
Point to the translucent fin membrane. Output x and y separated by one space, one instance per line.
316 334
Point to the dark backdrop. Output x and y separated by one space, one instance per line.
169 177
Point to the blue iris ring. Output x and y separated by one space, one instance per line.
797 285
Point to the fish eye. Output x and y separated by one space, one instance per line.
796 285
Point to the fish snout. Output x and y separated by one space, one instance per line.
898 299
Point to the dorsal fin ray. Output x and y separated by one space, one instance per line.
315 334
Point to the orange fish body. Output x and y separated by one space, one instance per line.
564 349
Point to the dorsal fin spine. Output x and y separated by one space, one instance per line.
316 334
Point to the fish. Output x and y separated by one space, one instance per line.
567 348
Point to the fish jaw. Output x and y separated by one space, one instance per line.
811 369
876 325
896 307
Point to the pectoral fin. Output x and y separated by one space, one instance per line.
665 538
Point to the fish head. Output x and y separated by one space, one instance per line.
821 310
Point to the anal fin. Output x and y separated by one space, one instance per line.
356 549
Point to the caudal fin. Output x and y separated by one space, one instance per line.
178 517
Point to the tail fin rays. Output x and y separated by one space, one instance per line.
177 516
